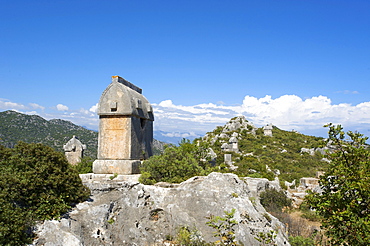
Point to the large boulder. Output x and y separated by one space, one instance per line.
130 213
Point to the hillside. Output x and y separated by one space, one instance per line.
55 133
256 152
293 154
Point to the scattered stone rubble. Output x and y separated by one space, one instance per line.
230 138
329 148
297 193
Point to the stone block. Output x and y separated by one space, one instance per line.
122 167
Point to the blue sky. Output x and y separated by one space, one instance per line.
296 64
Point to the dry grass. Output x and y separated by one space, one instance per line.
298 226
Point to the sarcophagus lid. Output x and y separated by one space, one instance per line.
124 98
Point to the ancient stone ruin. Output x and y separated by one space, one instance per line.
267 130
74 150
125 129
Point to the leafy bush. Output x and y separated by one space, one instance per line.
344 200
224 227
85 165
274 201
175 165
36 183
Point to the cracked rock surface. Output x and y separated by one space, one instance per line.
130 213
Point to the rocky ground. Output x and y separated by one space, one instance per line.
130 213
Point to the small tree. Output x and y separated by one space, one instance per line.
344 201
36 183
175 165
274 201
224 227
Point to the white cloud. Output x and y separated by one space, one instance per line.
286 112
94 108
6 104
61 107
180 134
31 112
347 92
36 106
84 111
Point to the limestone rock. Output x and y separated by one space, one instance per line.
130 213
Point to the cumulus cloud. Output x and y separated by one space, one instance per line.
61 107
6 104
36 106
286 112
94 108
180 134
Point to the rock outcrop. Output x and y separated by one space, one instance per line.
130 213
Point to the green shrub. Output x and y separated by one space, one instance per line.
301 241
85 165
274 201
175 165
224 227
266 238
36 183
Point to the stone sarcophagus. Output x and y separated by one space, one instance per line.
125 129
74 150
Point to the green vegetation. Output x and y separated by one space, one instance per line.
259 156
15 127
281 152
224 227
344 202
175 165
266 238
85 165
301 241
307 213
300 233
36 183
274 201
191 237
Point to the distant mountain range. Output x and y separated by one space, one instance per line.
55 133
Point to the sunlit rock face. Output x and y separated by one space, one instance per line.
130 213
